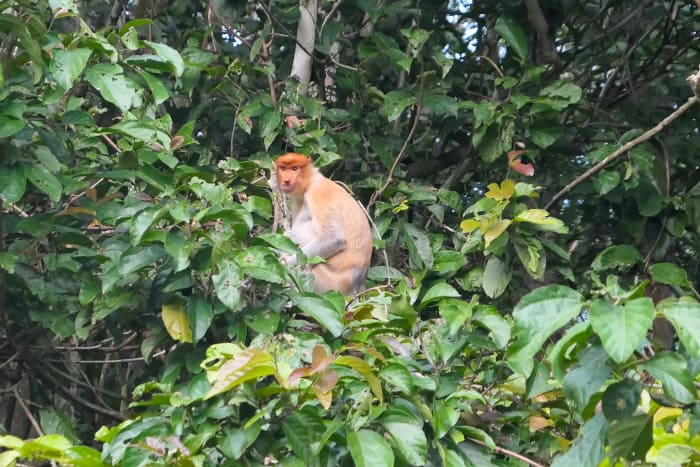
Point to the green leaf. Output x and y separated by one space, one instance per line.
489 318
111 83
158 90
170 55
137 258
631 438
398 375
570 92
513 35
369 449
304 429
13 182
396 102
436 292
606 181
589 449
584 380
67 65
531 254
227 284
419 247
622 328
455 313
670 274
537 316
258 262
671 370
44 180
11 119
408 437
684 314
248 364
321 310
616 257
621 399
496 277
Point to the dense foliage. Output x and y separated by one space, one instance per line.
532 170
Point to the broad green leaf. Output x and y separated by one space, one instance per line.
621 399
684 314
419 247
170 55
321 310
455 313
304 430
513 35
227 284
569 92
362 367
531 254
258 262
606 181
622 328
448 262
631 438
158 90
669 273
436 292
544 137
589 449
399 376
616 257
489 318
11 119
13 182
565 352
44 180
89 291
111 83
67 65
586 378
408 436
179 247
446 416
176 322
137 258
369 449
496 277
539 314
246 365
396 102
51 446
671 370
670 453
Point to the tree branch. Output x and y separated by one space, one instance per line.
623 149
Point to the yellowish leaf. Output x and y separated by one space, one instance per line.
538 423
469 225
495 231
176 322
505 191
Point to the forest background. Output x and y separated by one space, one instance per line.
532 171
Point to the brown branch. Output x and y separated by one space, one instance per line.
508 452
623 149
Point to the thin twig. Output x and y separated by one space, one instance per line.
623 149
508 452
28 413
416 117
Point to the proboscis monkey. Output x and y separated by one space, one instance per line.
326 222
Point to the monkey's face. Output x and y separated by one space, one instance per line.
289 178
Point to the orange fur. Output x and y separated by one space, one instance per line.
326 222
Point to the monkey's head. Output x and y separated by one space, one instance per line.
293 173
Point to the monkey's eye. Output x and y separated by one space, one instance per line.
294 168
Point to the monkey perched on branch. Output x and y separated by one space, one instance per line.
326 222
